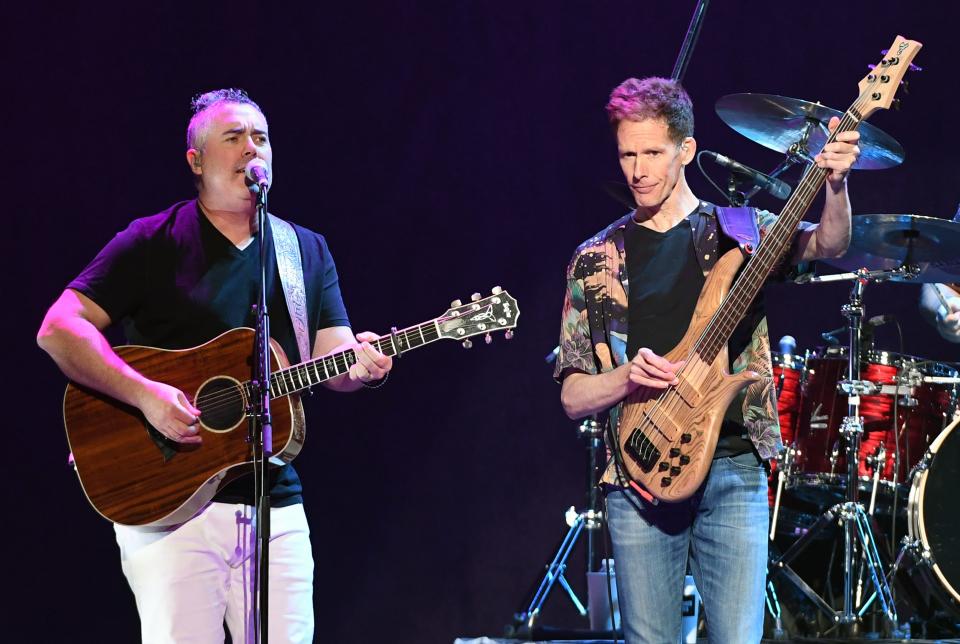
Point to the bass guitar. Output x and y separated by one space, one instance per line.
668 437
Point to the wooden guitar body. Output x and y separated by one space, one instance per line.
134 475
667 438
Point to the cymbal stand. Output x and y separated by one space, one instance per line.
798 152
850 513
589 520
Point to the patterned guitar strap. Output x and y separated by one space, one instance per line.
287 250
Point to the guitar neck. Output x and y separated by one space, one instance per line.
769 253
313 372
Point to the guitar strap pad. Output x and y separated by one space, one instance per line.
740 225
290 267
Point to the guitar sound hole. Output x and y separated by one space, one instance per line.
221 403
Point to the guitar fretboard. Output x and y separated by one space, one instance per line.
313 372
769 253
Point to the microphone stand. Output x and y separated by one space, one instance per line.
261 433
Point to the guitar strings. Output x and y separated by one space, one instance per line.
716 326
285 378
669 403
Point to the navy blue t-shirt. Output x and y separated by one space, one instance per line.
174 281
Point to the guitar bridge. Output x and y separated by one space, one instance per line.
642 450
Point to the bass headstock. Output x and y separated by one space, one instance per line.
879 87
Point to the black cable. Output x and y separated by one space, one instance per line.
707 177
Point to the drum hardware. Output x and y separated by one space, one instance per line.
784 470
918 249
928 548
793 126
834 457
587 522
850 514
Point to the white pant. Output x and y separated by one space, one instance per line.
188 579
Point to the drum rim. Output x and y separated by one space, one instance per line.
915 501
886 358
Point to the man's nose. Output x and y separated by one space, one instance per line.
250 149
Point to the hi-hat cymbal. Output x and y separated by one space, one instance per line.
779 122
886 242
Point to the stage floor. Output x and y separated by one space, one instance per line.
803 640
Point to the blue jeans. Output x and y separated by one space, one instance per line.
723 527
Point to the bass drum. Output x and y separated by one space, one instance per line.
933 515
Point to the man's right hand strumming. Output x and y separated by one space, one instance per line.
169 411
647 369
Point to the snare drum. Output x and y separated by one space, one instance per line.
933 514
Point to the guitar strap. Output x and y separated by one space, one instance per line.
740 225
287 250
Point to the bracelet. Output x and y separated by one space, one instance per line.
379 383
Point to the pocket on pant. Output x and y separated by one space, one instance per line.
747 461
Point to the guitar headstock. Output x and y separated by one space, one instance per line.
878 88
496 312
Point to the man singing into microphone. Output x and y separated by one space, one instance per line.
176 280
631 292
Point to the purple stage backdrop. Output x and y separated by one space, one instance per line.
442 148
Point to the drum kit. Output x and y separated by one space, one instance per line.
859 422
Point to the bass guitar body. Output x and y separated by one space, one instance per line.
668 437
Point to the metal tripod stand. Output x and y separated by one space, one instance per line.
850 514
588 521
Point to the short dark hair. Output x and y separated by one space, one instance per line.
196 130
653 98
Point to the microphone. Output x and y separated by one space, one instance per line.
258 174
777 188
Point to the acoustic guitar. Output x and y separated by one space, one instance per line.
134 475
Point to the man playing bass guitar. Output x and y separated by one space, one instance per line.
631 292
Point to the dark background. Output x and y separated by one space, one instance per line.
443 148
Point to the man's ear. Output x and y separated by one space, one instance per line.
193 160
688 150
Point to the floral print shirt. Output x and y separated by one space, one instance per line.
593 336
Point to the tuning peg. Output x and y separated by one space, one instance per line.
488 338
896 104
467 344
508 334
456 303
475 297
496 290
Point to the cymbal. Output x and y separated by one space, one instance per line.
779 122
886 242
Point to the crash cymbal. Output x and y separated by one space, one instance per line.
779 122
886 242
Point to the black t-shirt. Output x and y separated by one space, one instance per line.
665 280
174 281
